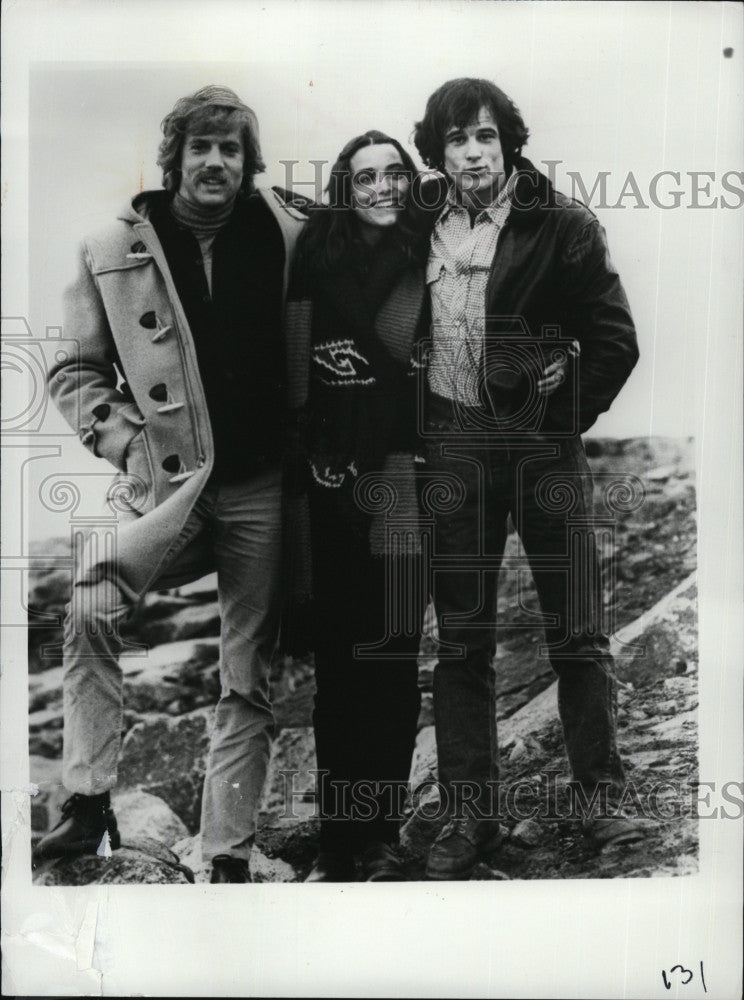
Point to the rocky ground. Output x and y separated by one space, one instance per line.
170 690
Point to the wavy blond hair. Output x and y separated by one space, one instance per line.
211 109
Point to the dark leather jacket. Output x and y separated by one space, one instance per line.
552 282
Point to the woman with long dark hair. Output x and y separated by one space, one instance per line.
357 310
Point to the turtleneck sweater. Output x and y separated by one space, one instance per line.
204 223
231 293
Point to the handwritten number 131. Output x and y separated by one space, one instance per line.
684 972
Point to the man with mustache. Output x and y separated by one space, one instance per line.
532 340
181 382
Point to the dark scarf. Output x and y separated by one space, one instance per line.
362 395
359 415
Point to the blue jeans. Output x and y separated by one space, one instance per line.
544 483
235 529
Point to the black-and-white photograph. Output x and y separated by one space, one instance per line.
372 480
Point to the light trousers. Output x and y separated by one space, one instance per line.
235 529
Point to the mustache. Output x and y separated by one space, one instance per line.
212 174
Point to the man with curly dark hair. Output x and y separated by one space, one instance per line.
180 382
532 339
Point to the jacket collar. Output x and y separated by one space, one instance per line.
493 210
532 195
142 206
139 208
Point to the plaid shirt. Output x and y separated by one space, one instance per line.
457 272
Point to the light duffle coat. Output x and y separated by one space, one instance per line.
122 308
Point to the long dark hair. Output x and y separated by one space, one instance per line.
330 240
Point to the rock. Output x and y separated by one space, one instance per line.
538 715
39 817
140 814
424 761
509 702
176 677
178 620
426 715
594 447
420 830
430 632
428 812
427 663
184 674
46 774
46 744
665 634
202 589
262 867
293 692
44 689
48 593
153 848
167 757
127 866
40 590
295 842
147 691
678 685
486 873
528 833
644 453
161 604
47 719
661 474
683 865
666 707
291 782
672 728
265 869
519 751
189 853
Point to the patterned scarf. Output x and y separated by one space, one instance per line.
352 344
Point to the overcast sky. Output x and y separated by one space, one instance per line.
616 88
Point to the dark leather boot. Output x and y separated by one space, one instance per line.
459 847
333 866
84 821
226 868
380 863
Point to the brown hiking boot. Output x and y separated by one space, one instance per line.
85 821
226 869
380 863
333 866
459 847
